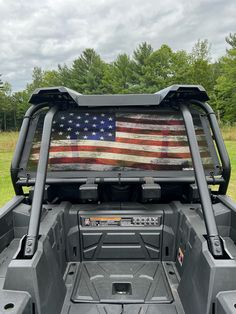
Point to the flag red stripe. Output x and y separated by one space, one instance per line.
149 121
162 135
123 151
156 143
157 132
118 163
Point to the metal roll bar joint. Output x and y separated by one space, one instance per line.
213 239
20 145
32 236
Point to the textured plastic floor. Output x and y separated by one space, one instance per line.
121 282
5 258
122 309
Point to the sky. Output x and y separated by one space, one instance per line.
51 32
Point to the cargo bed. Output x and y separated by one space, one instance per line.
121 282
121 287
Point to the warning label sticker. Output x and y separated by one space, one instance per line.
180 256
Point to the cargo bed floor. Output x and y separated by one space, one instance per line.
121 282
5 257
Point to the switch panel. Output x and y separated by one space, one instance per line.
118 221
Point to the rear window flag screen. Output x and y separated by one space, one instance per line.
99 141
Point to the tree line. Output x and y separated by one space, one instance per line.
145 71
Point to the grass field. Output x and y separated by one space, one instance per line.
8 141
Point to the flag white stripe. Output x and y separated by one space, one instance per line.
116 156
167 138
78 166
148 148
154 127
164 117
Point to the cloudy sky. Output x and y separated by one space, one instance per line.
46 33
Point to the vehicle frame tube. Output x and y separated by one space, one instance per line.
32 236
20 145
213 238
225 161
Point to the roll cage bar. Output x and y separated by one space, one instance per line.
179 95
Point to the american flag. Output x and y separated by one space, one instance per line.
121 141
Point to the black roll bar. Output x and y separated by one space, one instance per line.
189 180
214 242
219 144
213 238
20 146
32 236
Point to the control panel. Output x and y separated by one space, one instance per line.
121 221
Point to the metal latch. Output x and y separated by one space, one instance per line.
89 191
151 191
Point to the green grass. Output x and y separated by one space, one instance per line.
231 147
6 189
229 132
8 142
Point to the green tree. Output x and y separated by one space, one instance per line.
142 53
231 40
64 76
87 73
37 80
42 78
201 68
226 83
145 71
159 69
139 65
51 78
201 51
181 68
20 102
118 76
5 105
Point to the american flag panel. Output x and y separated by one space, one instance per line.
101 141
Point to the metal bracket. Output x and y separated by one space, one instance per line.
89 190
215 246
151 191
30 246
213 177
27 179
